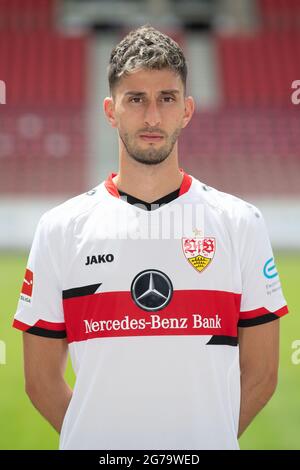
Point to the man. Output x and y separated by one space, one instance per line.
172 338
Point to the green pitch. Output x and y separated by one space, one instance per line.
277 426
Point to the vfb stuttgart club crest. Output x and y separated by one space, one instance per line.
199 251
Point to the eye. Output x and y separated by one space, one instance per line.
135 99
168 99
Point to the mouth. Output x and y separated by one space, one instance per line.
151 137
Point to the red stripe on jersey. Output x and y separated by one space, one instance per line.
110 185
262 311
112 314
50 326
20 326
27 283
113 190
40 324
185 184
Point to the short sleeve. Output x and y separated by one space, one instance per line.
40 309
262 299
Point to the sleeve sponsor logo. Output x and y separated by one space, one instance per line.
26 292
270 273
269 269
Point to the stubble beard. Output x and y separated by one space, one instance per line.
150 155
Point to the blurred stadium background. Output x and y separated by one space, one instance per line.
243 56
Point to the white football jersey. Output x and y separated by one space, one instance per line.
150 303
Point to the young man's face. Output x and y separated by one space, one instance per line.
149 110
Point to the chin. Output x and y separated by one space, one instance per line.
149 161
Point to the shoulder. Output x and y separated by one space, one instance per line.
236 211
63 216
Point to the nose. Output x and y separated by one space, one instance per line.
152 115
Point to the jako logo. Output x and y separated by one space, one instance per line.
270 270
295 97
97 259
2 92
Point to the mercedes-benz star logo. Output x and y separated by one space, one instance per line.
151 290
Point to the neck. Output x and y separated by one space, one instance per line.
148 182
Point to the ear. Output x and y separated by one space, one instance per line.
109 110
188 110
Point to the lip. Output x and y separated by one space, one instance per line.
151 137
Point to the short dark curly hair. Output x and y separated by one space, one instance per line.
148 48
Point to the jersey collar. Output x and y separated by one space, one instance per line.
113 190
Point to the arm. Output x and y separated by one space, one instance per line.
259 360
44 364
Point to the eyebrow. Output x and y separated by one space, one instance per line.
142 93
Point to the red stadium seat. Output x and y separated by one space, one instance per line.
42 124
245 151
258 69
280 14
27 15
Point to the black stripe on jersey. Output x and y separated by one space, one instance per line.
80 291
219 339
257 320
35 330
149 205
